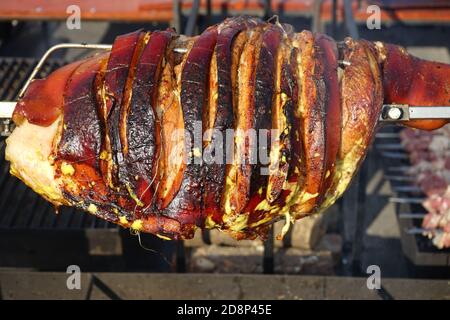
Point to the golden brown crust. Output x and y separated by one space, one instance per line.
238 174
170 137
361 98
313 129
279 150
361 92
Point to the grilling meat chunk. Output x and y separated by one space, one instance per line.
238 127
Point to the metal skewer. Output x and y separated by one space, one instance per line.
7 107
58 47
412 215
404 112
416 230
406 189
394 155
399 178
406 200
180 50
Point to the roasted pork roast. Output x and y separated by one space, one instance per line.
243 125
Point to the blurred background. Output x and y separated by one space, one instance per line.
379 221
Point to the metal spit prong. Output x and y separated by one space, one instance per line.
344 63
180 50
404 112
7 107
394 112
55 48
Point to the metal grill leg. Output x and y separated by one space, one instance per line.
360 219
193 17
176 22
180 257
268 263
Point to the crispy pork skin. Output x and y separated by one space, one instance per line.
243 125
138 138
414 81
170 167
218 117
116 85
361 92
313 115
42 103
186 205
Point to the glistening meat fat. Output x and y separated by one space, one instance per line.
239 127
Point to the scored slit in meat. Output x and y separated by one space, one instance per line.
251 123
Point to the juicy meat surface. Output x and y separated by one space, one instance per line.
241 126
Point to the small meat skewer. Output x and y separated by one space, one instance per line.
429 153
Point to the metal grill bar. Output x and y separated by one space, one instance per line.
395 155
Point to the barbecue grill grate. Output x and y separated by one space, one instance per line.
20 207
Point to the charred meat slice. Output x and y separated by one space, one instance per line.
265 186
78 152
361 95
170 124
138 121
285 167
328 55
238 175
280 144
118 78
321 116
81 133
186 205
218 118
312 108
